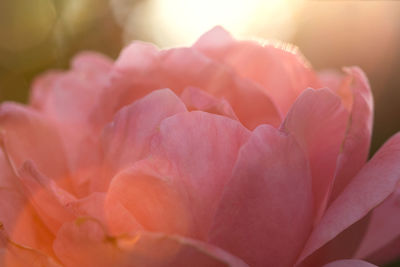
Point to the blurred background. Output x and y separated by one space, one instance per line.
37 35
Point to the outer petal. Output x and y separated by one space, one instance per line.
372 185
47 198
282 73
389 254
68 97
358 135
202 150
16 255
318 122
384 226
17 217
349 263
22 130
265 213
127 138
84 244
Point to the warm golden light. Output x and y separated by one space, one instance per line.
177 22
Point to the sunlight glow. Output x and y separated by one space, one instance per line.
181 22
184 20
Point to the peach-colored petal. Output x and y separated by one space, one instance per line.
282 73
196 99
155 250
371 186
17 217
265 215
349 263
358 135
112 215
202 150
153 199
26 135
47 198
338 83
83 243
127 138
14 254
318 121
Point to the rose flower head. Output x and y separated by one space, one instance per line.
225 153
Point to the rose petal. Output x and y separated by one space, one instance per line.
153 199
17 217
127 138
349 263
159 249
265 213
47 198
383 227
178 69
22 130
318 122
196 99
371 186
282 73
202 149
83 243
387 255
358 135
68 97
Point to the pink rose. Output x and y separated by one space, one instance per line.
226 153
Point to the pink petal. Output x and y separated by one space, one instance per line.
384 226
339 83
386 255
214 40
26 135
127 138
318 122
202 149
83 243
349 263
358 136
178 69
137 56
282 73
196 99
69 97
187 67
372 185
265 214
